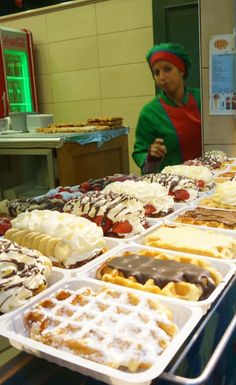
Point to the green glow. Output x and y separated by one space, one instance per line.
18 81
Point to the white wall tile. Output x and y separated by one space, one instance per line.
76 85
74 54
71 23
129 51
126 81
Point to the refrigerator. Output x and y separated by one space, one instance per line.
17 77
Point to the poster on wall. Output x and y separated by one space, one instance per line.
222 75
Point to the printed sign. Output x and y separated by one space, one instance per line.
222 75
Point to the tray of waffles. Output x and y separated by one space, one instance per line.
198 240
102 331
209 217
187 278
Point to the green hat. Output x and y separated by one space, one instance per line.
171 52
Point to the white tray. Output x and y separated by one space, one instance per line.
230 233
186 317
55 277
226 269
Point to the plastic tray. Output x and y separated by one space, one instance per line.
55 277
186 317
226 269
230 233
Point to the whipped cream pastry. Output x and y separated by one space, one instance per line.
23 273
149 194
225 193
173 183
199 173
81 239
114 207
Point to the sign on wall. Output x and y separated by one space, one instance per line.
222 75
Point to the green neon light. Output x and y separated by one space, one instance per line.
18 80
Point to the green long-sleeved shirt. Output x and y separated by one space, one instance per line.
154 122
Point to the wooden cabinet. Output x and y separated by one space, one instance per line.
78 163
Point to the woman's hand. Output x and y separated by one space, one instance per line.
157 149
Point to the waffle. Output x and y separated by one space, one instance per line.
109 327
155 272
23 274
192 240
54 248
202 216
70 241
209 202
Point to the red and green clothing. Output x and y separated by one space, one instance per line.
179 127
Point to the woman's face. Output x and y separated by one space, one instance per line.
167 77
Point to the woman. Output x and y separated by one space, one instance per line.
169 127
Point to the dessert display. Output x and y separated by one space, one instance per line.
179 276
202 174
192 240
110 122
181 188
224 196
205 160
108 326
118 215
16 206
69 241
203 216
217 154
155 198
23 274
100 183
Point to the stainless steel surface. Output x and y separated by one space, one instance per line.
25 140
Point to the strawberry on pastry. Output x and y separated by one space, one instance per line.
155 198
119 215
175 183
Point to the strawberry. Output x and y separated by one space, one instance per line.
200 184
4 226
181 195
122 227
149 210
104 222
85 186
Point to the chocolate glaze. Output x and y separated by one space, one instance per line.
163 271
226 217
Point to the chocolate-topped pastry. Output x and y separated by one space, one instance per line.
16 206
180 187
209 217
23 273
161 272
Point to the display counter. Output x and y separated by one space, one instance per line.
35 162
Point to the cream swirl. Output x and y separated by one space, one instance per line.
23 273
225 193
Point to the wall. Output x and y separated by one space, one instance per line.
216 17
90 59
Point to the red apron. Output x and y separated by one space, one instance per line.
187 123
